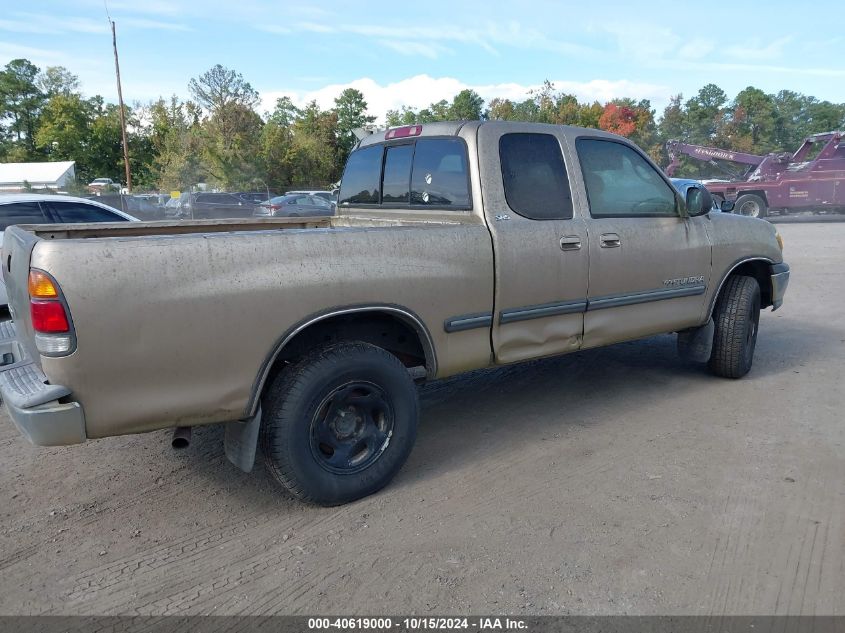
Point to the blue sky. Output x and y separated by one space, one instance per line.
416 53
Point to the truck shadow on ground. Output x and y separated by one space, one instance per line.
467 416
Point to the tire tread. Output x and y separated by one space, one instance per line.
287 386
733 310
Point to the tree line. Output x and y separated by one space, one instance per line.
218 137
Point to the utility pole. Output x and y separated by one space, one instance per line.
122 116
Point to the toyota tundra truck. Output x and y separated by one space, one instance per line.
456 246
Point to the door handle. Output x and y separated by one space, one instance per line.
610 240
570 243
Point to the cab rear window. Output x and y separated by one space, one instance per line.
428 172
360 184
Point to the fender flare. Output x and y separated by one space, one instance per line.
730 270
405 314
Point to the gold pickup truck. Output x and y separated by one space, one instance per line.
455 246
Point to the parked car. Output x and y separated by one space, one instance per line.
684 185
313 337
326 195
254 197
204 205
101 185
27 208
294 205
147 206
173 206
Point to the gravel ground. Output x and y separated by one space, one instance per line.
619 480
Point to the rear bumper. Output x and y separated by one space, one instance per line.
780 280
40 410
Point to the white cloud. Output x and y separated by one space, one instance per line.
428 40
420 91
151 7
51 24
643 42
755 50
315 27
157 25
414 49
47 23
696 48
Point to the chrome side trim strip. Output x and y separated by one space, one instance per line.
540 311
468 322
616 301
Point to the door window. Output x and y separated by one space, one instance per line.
621 183
21 213
439 176
534 176
72 212
318 201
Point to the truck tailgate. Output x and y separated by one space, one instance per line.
17 251
35 405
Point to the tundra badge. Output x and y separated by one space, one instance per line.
684 281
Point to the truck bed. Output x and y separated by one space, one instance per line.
229 225
168 227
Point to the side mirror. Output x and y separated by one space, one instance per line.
699 201
727 206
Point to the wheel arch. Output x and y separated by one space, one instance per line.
754 192
756 267
384 325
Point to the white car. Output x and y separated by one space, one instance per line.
102 183
30 208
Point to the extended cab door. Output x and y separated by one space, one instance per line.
540 246
649 266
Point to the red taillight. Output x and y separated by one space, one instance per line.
48 317
275 207
403 132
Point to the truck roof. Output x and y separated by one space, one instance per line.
453 128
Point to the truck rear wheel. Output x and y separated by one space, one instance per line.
340 423
752 205
737 319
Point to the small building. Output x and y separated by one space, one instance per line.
20 177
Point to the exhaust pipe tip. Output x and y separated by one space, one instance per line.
181 437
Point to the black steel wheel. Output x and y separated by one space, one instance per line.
338 424
351 428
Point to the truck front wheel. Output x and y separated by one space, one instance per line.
338 424
752 205
736 318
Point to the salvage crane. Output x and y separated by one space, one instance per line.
778 182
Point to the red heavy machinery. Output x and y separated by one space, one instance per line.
811 179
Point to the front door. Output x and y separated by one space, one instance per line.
649 265
540 245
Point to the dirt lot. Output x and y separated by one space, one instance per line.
612 481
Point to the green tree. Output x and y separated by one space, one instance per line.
220 87
705 115
312 156
285 112
403 116
176 144
231 145
825 116
467 106
501 109
21 102
57 80
752 122
64 132
351 110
